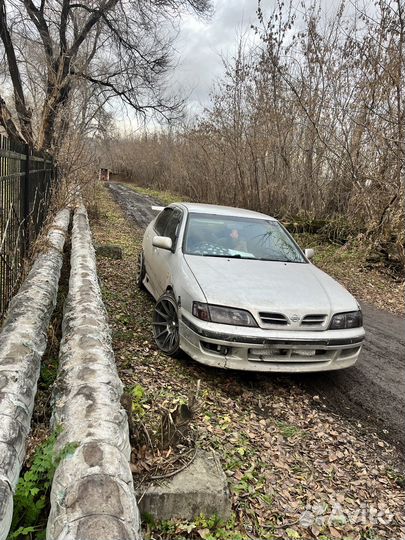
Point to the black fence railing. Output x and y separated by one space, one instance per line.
25 187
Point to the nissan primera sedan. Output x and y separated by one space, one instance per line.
234 290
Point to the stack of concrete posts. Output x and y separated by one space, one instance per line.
23 341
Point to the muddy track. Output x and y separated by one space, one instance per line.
137 207
371 394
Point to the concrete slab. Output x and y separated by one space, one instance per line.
201 488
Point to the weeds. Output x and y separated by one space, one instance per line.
207 528
288 430
32 491
137 394
159 429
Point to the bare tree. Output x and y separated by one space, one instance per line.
309 125
122 48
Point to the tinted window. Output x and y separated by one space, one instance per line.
162 220
171 229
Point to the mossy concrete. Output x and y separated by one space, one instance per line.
201 488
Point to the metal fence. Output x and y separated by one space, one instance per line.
25 187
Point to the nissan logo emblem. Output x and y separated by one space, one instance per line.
294 318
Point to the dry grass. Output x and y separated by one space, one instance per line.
348 264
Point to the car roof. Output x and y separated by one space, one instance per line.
200 208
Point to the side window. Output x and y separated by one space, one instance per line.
161 221
173 225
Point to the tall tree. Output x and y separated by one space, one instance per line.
120 46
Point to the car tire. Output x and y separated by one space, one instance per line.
166 325
140 272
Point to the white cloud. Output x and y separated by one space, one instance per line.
201 43
198 50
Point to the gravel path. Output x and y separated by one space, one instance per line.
372 392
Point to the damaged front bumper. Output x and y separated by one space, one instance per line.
256 349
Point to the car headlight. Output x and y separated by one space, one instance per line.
223 315
350 319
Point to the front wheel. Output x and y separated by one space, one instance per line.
166 325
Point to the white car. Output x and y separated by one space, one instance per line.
234 290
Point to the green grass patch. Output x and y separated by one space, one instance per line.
327 253
165 196
288 430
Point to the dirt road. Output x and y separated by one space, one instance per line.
136 206
370 394
372 391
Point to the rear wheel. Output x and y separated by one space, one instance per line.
166 325
140 272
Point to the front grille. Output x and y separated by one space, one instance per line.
282 356
273 318
313 320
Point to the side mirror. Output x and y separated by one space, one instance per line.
309 253
162 242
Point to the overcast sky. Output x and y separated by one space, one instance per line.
201 43
199 46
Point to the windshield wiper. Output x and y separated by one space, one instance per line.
232 256
280 260
236 256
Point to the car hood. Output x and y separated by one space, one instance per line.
269 285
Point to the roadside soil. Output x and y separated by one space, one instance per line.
295 469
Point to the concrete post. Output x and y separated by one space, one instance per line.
92 493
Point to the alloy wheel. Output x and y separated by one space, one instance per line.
166 325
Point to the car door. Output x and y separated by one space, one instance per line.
165 260
152 257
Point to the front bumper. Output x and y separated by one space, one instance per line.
256 349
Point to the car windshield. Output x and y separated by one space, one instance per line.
209 235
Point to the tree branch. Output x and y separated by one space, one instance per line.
24 115
37 17
63 24
129 100
7 122
91 21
